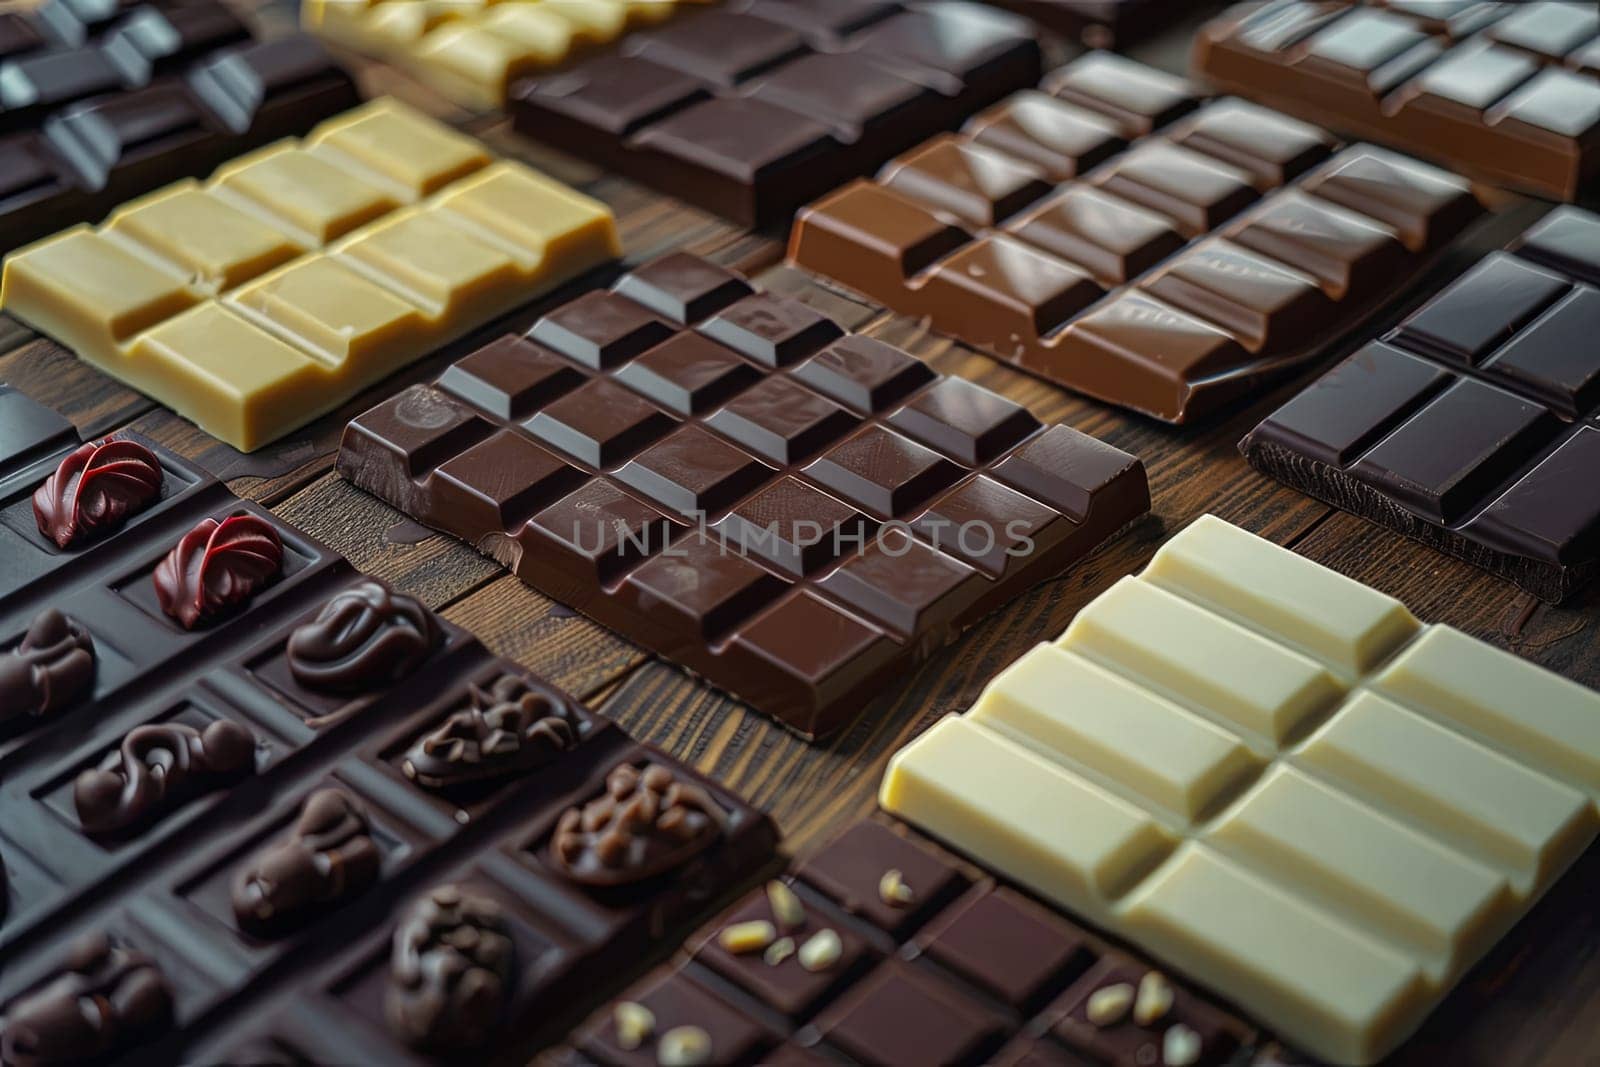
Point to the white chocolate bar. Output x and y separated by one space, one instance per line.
306 272
1276 780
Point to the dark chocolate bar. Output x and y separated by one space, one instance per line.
725 476
751 109
1117 235
1100 23
880 948
1506 92
103 100
233 770
1474 426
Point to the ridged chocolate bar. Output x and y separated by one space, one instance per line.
1474 426
725 476
1280 783
882 948
1115 234
103 100
303 273
316 790
751 109
1506 92
471 52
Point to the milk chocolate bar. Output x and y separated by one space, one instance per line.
303 273
1509 93
882 948
1473 426
750 110
726 477
103 100
1281 784
472 52
1114 234
314 789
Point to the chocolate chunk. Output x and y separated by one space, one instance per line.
685 458
1470 427
509 728
365 639
216 567
325 861
451 974
751 113
95 489
1494 90
103 1002
645 824
52 667
1115 235
158 767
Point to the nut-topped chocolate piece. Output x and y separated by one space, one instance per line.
216 567
646 823
157 767
327 859
49 670
105 1000
95 489
452 971
366 638
507 728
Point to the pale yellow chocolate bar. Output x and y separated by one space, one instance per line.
305 272
472 50
1275 780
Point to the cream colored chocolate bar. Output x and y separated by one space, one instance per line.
305 272
1276 779
472 50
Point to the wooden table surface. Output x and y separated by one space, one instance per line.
1535 1001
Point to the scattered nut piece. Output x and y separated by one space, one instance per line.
821 951
1109 1006
741 938
893 891
779 951
684 1046
786 906
1180 1047
635 1023
1154 999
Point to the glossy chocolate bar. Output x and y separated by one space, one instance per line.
1505 92
881 948
725 476
303 273
1281 784
471 52
103 100
1100 23
1474 426
751 109
1115 234
309 787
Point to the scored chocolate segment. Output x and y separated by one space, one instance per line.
1507 91
711 485
97 110
1116 234
1470 426
751 111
